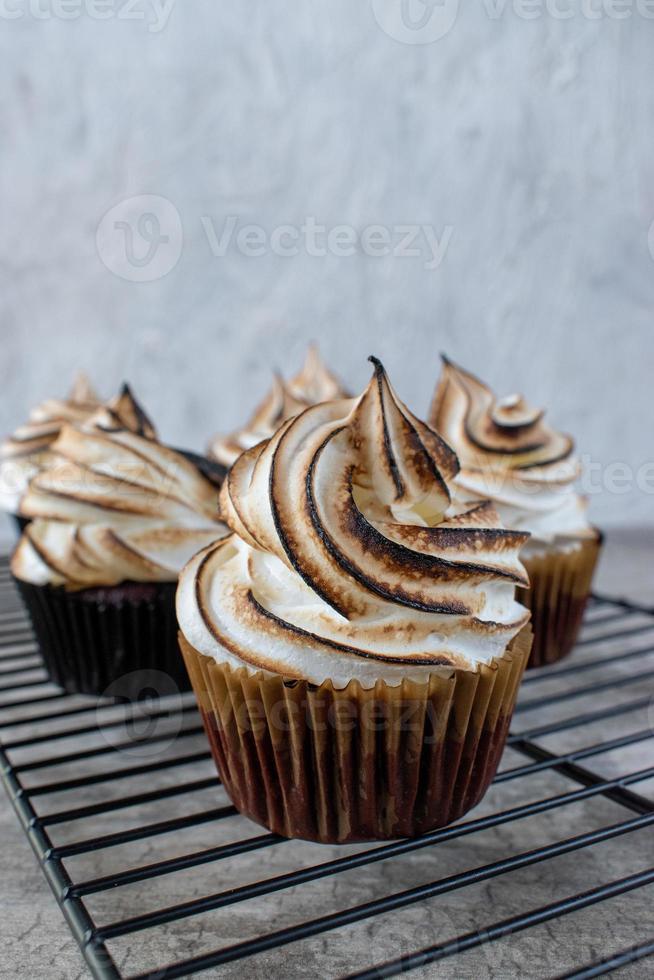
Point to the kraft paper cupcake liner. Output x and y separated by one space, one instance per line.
329 765
560 585
118 637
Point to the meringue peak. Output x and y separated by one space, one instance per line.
82 391
509 453
505 431
377 364
114 504
313 384
412 472
26 451
347 550
123 413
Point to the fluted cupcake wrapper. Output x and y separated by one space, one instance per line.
330 765
560 585
124 639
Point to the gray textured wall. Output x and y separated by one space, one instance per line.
519 148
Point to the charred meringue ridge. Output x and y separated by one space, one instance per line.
509 454
114 505
314 383
347 557
23 453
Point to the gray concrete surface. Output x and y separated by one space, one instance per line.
520 138
34 941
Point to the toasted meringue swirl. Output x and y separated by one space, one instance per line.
24 453
348 560
314 383
114 505
508 454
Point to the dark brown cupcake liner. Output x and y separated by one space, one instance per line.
357 764
560 585
123 638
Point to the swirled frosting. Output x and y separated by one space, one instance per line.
347 559
509 454
314 383
114 505
24 453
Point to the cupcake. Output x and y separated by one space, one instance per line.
510 455
354 644
113 518
24 453
314 383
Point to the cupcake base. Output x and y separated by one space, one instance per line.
560 585
108 637
330 765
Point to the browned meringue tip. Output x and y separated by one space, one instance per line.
82 391
123 411
449 363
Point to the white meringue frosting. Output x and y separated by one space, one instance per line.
509 455
314 383
114 505
347 559
24 453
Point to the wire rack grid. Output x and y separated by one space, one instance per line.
158 876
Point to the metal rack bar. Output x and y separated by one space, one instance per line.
507 927
389 903
143 832
612 962
554 673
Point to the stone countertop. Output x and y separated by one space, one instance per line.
35 942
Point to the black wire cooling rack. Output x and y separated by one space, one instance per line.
159 877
